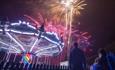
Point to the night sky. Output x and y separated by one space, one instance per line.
98 18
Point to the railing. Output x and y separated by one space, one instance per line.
21 66
8 62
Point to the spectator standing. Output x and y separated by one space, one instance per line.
77 60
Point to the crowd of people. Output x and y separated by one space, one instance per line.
104 61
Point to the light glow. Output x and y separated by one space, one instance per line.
45 35
11 46
15 41
34 45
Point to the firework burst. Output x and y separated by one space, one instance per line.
60 9
64 10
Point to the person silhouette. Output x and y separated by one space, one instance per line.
77 60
